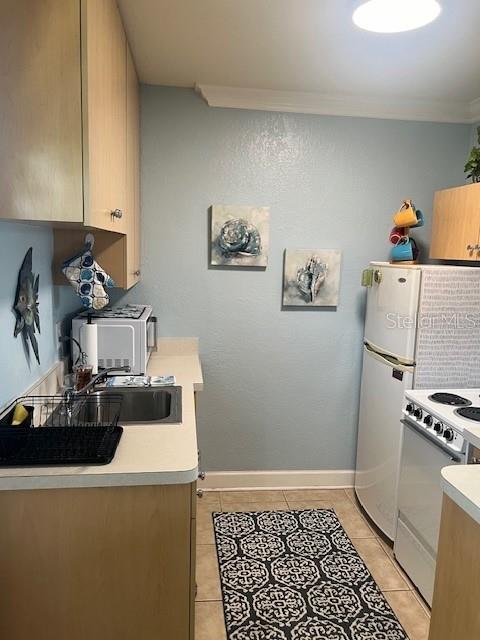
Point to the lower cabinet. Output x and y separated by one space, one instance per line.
455 610
113 563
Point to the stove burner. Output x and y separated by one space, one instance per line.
471 413
449 398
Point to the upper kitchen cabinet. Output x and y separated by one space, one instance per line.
456 224
104 82
118 253
40 111
133 175
69 126
63 113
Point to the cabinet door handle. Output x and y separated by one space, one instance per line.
137 272
117 213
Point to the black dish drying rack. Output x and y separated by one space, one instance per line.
54 433
61 411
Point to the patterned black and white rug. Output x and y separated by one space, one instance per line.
295 575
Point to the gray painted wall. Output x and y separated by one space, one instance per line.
281 387
17 373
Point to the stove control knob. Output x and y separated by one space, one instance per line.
448 435
428 420
409 408
438 427
418 413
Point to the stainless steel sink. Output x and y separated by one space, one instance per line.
144 404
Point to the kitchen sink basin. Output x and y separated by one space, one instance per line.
144 404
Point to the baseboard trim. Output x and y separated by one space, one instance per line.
235 480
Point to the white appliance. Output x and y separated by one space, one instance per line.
126 335
432 439
419 333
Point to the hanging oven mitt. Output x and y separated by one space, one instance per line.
87 277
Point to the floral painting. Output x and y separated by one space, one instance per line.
240 236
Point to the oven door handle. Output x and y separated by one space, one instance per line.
421 432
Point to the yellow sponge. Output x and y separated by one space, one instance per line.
19 415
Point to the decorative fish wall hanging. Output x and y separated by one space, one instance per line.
26 305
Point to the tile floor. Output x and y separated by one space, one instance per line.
376 553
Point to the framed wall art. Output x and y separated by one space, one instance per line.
311 278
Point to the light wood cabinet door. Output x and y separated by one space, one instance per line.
40 111
133 174
106 563
455 610
456 224
69 127
104 114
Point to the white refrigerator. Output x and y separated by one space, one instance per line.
420 332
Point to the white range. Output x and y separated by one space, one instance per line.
435 423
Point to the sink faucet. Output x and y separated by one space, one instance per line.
70 394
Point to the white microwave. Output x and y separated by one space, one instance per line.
127 336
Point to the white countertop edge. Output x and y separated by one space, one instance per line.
462 484
19 483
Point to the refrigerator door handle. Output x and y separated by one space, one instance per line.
388 354
388 360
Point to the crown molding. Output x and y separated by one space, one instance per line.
337 105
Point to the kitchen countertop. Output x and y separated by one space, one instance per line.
461 483
146 454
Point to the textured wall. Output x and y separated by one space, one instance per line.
15 239
16 374
281 386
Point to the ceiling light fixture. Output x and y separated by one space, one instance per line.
394 16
